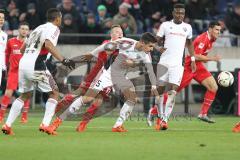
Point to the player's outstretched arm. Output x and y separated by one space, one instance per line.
53 50
204 58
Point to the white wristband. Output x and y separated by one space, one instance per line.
193 58
154 87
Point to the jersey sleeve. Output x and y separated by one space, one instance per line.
189 36
51 34
97 50
199 45
161 30
148 64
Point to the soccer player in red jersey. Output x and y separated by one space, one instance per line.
202 45
13 56
116 32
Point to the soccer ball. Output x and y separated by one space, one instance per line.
225 79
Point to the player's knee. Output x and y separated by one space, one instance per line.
87 99
213 88
172 93
98 101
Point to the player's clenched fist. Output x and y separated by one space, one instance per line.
69 63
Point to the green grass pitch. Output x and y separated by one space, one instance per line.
185 140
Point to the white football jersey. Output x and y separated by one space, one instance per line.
175 39
3 44
35 54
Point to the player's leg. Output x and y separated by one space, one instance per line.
204 77
75 106
126 110
25 110
160 104
25 88
12 84
209 97
69 98
186 79
49 109
15 112
88 115
175 77
5 102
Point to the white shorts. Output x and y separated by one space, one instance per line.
42 80
173 75
103 81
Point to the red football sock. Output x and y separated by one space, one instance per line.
154 110
165 97
67 100
208 99
26 108
4 105
88 115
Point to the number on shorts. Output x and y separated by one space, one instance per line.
98 83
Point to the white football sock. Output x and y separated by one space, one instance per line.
49 111
126 110
160 106
76 105
169 104
15 111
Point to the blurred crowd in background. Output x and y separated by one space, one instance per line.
135 16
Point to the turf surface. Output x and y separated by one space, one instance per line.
186 139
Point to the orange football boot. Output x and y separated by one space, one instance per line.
158 124
236 128
42 128
164 125
82 126
119 129
7 130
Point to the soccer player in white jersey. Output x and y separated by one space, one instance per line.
33 71
131 52
176 35
3 43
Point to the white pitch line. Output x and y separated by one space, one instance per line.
129 128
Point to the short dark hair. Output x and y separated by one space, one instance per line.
179 5
212 24
148 37
2 11
23 24
52 14
115 26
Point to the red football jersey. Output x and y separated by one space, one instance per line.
202 44
13 54
102 59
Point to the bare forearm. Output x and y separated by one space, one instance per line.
53 50
190 47
203 58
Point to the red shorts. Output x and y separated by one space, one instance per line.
12 81
201 74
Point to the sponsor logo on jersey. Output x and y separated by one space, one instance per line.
184 29
201 45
